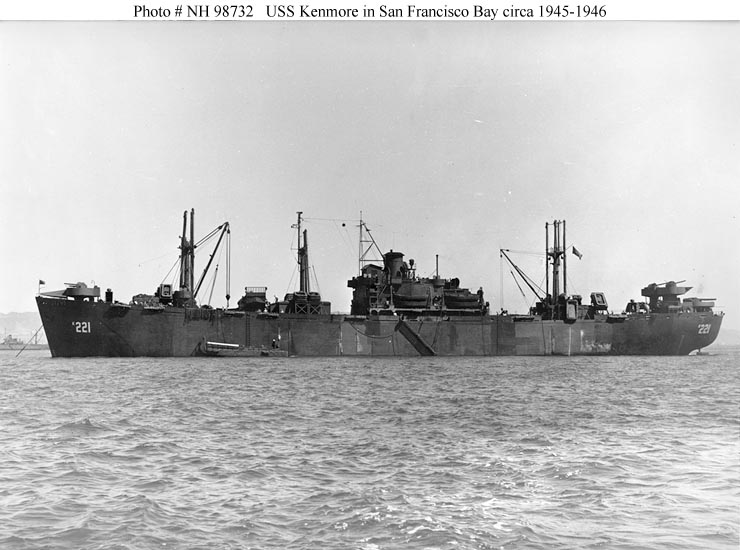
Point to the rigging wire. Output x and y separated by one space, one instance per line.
213 284
174 271
524 296
220 230
572 288
331 220
164 255
346 238
290 283
517 283
316 279
525 252
534 287
213 277
209 236
294 246
176 264
31 340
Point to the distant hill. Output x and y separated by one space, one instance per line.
21 325
727 337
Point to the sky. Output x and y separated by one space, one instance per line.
453 139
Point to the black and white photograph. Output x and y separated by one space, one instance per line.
447 276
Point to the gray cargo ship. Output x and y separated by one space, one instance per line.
394 312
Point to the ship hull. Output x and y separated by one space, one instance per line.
85 328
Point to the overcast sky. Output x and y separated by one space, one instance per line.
454 139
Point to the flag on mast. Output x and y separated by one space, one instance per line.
575 252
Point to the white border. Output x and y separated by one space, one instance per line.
615 10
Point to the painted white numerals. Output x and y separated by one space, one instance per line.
705 328
83 327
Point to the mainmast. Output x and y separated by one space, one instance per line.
547 259
556 255
565 262
303 270
303 301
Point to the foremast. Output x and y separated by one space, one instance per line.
188 290
184 295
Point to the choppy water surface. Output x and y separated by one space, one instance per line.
370 453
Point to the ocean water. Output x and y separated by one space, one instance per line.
348 453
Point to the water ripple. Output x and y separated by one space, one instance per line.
350 453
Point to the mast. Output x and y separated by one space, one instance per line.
183 252
192 250
188 290
367 243
187 253
360 254
555 260
565 262
547 256
557 254
303 272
